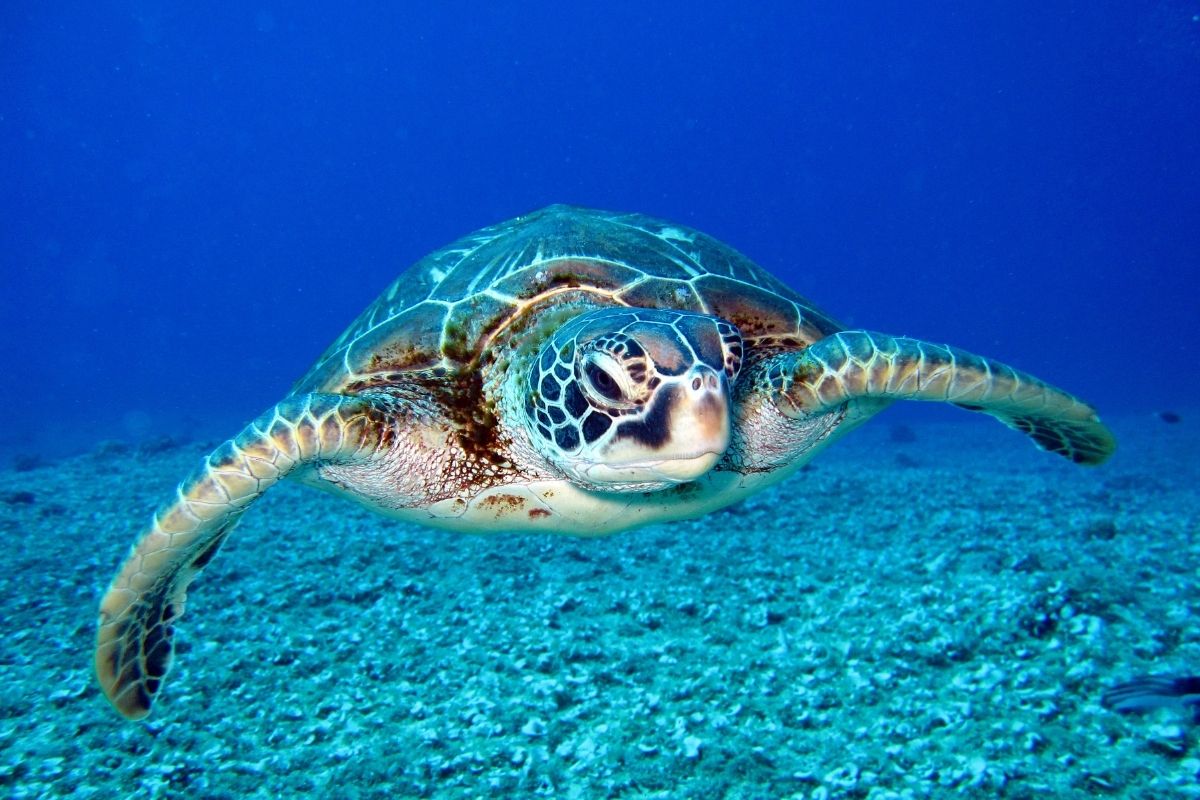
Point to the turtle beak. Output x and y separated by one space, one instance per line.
699 425
682 436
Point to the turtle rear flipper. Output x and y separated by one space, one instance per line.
134 640
863 364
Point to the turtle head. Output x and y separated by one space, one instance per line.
626 399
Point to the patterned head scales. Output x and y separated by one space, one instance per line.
634 399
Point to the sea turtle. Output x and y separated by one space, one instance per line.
570 370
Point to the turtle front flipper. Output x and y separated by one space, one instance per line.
134 641
862 364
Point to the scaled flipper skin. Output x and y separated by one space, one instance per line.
134 642
864 365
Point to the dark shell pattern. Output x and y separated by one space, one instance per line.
441 313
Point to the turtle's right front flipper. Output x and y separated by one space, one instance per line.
133 644
849 365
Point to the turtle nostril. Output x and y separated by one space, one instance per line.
705 380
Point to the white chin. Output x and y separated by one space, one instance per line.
666 472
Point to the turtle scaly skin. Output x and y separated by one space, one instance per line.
570 370
134 643
865 364
604 379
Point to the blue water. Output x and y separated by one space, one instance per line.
195 202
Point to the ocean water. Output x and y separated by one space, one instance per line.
197 202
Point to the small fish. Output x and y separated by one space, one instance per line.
1170 417
1155 691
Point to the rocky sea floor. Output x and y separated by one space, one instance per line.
904 619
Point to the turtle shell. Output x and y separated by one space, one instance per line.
443 312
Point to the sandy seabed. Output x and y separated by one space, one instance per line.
903 619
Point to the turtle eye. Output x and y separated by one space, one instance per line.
602 381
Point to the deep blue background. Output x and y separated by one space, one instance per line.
195 202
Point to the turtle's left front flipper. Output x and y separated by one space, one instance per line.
134 641
863 364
